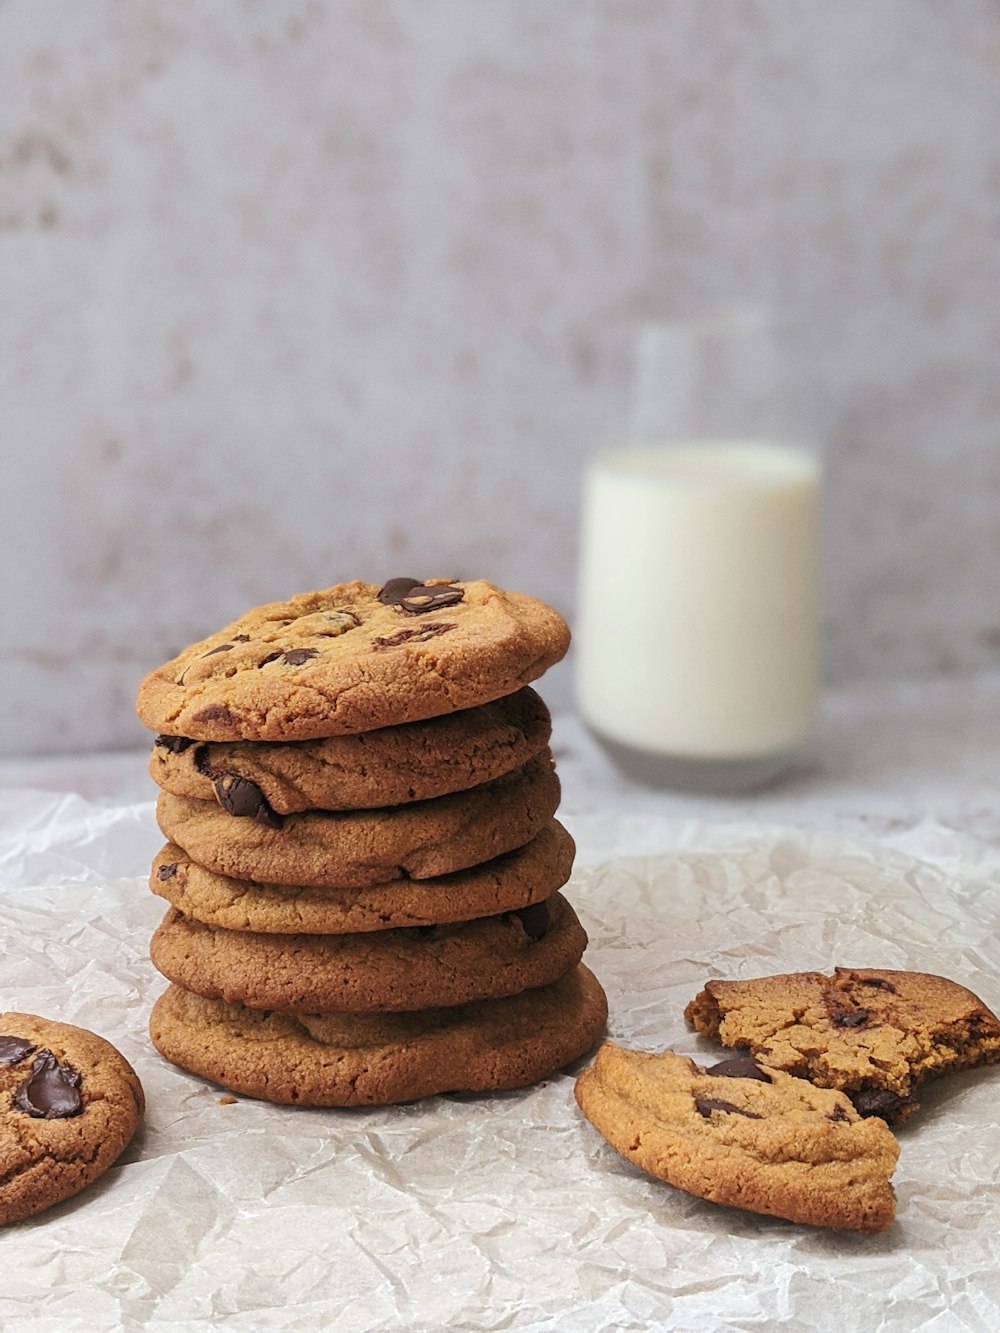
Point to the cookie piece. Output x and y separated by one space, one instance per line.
351 658
874 1034
353 849
69 1105
759 1140
387 970
517 879
377 1059
392 766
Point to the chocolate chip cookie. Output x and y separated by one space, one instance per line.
69 1105
353 849
527 875
353 658
391 766
744 1134
376 1059
388 970
876 1035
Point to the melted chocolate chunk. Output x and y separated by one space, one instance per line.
706 1105
14 1049
175 744
51 1090
878 1101
856 1018
167 872
222 648
395 590
402 636
243 798
414 597
200 760
423 598
739 1066
535 919
241 638
297 656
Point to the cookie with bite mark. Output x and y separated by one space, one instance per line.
875 1034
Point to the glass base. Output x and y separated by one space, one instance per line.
703 777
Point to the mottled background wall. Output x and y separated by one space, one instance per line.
295 291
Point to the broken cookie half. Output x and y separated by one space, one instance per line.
876 1035
744 1134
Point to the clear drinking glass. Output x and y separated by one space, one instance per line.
697 636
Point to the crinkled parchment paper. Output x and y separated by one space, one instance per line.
506 1211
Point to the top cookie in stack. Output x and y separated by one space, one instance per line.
359 801
354 658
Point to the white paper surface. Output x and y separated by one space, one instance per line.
507 1211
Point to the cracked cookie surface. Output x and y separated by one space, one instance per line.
874 1034
353 849
387 970
354 658
69 1106
376 1059
391 766
519 878
751 1137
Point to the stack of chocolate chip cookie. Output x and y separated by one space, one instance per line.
363 862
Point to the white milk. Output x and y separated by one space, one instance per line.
697 633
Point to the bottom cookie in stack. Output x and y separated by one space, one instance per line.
380 1058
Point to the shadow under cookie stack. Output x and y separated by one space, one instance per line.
363 862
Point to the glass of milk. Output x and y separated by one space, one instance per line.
697 636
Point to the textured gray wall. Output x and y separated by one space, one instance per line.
296 292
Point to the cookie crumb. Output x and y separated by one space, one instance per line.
228 1101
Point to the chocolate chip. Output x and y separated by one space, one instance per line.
837 1114
241 638
215 713
51 1090
415 597
175 744
395 590
167 872
420 635
879 983
739 1066
878 1101
222 648
296 656
244 799
14 1049
706 1105
535 919
429 598
856 1018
